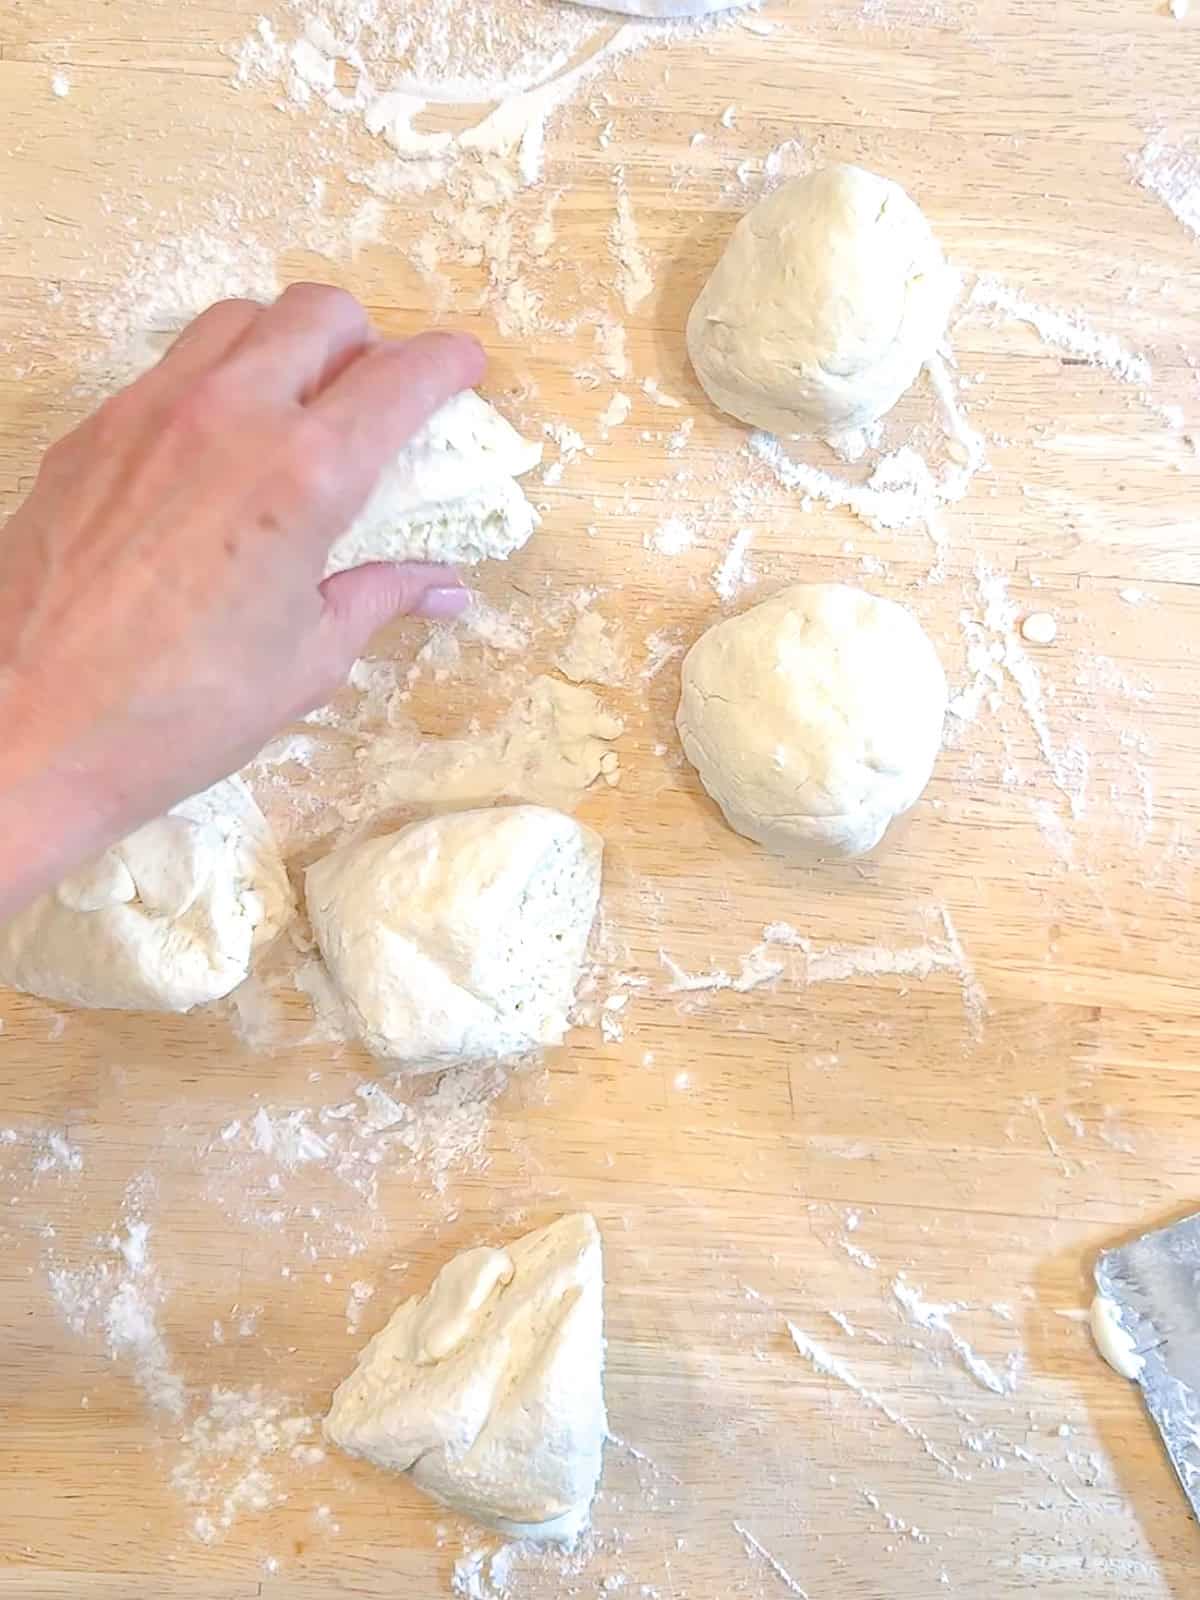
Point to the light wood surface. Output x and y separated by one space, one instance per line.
731 1140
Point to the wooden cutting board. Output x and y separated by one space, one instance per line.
909 1143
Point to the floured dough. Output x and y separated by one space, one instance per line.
829 297
1113 1340
814 719
450 495
168 919
489 1389
461 937
553 742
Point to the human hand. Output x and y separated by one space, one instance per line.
162 611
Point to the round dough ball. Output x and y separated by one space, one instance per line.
462 937
814 719
828 299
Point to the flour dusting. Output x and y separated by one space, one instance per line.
1172 174
118 1294
936 1319
830 1365
225 1463
754 1548
1062 330
733 571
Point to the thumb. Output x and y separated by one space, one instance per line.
361 600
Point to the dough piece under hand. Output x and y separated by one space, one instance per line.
814 719
461 937
450 494
168 919
489 1389
830 296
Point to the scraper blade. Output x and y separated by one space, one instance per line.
1155 1283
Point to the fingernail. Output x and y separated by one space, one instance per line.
437 604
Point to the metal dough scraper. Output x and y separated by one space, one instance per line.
1155 1284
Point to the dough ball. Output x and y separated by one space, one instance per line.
813 719
461 937
829 297
489 1389
168 919
450 495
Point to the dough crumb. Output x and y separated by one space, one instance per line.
594 652
1039 628
1114 1341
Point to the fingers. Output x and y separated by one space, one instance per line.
206 341
360 601
217 328
391 390
295 347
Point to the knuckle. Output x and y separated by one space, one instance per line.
228 314
114 416
326 301
236 305
58 456
225 314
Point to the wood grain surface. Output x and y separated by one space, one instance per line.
788 1152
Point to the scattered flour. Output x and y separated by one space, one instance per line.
902 489
845 963
840 964
994 650
53 1152
671 537
754 1548
662 646
120 1294
634 277
223 1470
435 1125
164 285
757 969
1172 174
733 571
832 1366
654 391
616 411
926 1314
1062 330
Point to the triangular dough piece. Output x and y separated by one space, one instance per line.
450 494
489 1390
